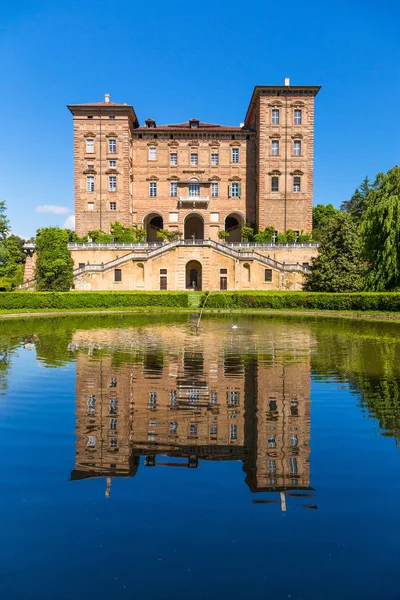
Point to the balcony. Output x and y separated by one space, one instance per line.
193 200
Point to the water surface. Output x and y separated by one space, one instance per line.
140 460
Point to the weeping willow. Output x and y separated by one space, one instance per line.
381 233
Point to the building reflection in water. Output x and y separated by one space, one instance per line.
175 399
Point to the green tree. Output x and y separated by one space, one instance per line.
54 265
321 215
265 236
358 202
4 222
247 233
380 226
338 266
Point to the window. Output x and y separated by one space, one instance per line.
153 189
297 117
113 424
275 237
297 234
297 148
117 275
293 440
213 397
152 153
89 146
275 148
113 206
235 155
293 465
112 146
113 406
268 275
113 164
194 189
233 432
90 183
91 441
173 159
193 395
111 116
275 184
113 382
272 440
296 184
272 466
90 116
194 159
91 402
163 271
172 398
214 159
213 430
214 190
90 167
273 405
294 407
173 189
113 442
235 190
152 399
152 436
81 265
112 183
275 116
173 426
90 205
234 398
193 429
223 271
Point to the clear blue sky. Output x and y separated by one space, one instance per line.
173 61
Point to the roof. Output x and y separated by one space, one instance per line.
73 108
200 127
280 88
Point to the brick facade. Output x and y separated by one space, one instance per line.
192 156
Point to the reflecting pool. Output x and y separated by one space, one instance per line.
141 459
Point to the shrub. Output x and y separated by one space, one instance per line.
381 301
82 300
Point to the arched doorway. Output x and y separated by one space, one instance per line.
194 227
233 225
193 275
153 222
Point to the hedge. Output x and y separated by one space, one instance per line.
67 300
382 301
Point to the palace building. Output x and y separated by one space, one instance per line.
195 179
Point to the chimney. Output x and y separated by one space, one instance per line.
287 81
107 98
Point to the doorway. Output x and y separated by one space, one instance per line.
193 275
194 227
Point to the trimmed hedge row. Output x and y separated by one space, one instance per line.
382 301
35 300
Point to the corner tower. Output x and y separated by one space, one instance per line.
283 117
102 164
